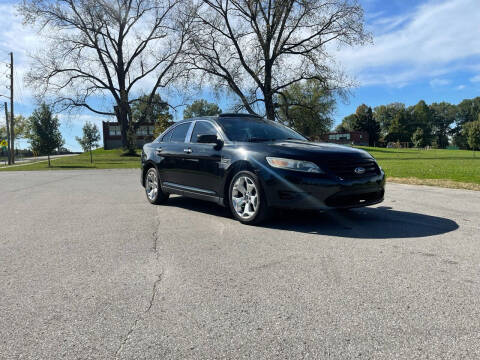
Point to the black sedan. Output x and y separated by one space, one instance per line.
252 165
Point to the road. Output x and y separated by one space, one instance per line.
90 270
23 161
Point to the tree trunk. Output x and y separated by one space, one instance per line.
270 107
123 105
267 93
91 158
122 119
48 160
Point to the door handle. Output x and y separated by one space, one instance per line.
187 151
158 151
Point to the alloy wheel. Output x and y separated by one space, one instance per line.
151 186
245 197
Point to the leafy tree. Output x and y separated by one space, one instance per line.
418 138
421 117
201 108
21 130
398 129
158 113
362 120
467 111
259 48
44 134
307 107
90 138
162 124
443 117
459 139
347 124
340 128
384 115
366 122
473 134
142 111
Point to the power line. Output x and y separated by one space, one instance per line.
19 87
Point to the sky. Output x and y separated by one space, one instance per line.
421 49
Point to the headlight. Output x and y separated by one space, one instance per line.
296 165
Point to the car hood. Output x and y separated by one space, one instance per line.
314 150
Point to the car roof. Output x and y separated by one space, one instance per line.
217 117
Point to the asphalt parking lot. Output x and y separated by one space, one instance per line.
90 270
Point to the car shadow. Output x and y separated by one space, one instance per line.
206 207
364 223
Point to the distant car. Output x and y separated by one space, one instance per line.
252 165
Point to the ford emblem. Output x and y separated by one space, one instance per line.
359 170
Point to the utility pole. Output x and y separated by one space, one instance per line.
8 134
12 121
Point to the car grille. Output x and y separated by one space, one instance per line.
346 168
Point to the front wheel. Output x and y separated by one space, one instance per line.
153 188
247 201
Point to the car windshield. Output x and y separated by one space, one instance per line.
252 129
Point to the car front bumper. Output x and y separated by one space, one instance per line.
289 189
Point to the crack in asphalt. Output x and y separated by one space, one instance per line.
152 297
141 317
154 247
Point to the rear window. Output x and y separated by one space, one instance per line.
180 132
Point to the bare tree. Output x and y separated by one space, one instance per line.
110 49
258 48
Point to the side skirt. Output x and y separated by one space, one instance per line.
192 192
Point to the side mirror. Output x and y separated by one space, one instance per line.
210 139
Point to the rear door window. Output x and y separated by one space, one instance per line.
202 128
180 132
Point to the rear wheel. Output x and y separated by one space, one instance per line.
247 202
153 188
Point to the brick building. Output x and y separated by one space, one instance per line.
347 138
112 136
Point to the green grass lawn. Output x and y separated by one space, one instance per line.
102 159
432 167
453 165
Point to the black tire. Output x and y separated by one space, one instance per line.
152 181
261 212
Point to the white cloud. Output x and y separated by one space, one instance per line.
429 42
475 79
77 119
439 82
21 40
460 87
437 37
387 24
